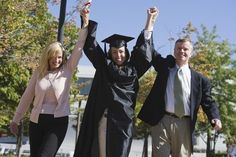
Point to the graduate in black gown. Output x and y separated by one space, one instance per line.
107 125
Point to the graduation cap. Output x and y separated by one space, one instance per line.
117 40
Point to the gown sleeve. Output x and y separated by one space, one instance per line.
92 49
142 54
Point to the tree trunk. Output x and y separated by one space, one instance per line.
210 148
145 146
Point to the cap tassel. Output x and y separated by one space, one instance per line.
105 50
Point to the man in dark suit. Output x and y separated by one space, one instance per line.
173 102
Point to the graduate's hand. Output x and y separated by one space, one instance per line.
84 13
14 128
152 14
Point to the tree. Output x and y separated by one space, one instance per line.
13 79
26 27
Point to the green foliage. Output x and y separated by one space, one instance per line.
13 79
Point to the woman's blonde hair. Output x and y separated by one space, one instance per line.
50 51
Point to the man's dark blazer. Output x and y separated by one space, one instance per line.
153 108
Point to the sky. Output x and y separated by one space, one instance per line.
128 17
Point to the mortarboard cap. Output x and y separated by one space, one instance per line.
117 40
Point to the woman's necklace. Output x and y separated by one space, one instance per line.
52 76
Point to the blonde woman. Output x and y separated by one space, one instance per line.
49 88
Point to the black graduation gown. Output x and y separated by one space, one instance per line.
114 89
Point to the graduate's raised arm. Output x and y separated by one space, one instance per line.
152 14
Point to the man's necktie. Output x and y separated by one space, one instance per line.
178 92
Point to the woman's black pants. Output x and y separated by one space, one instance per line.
47 135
